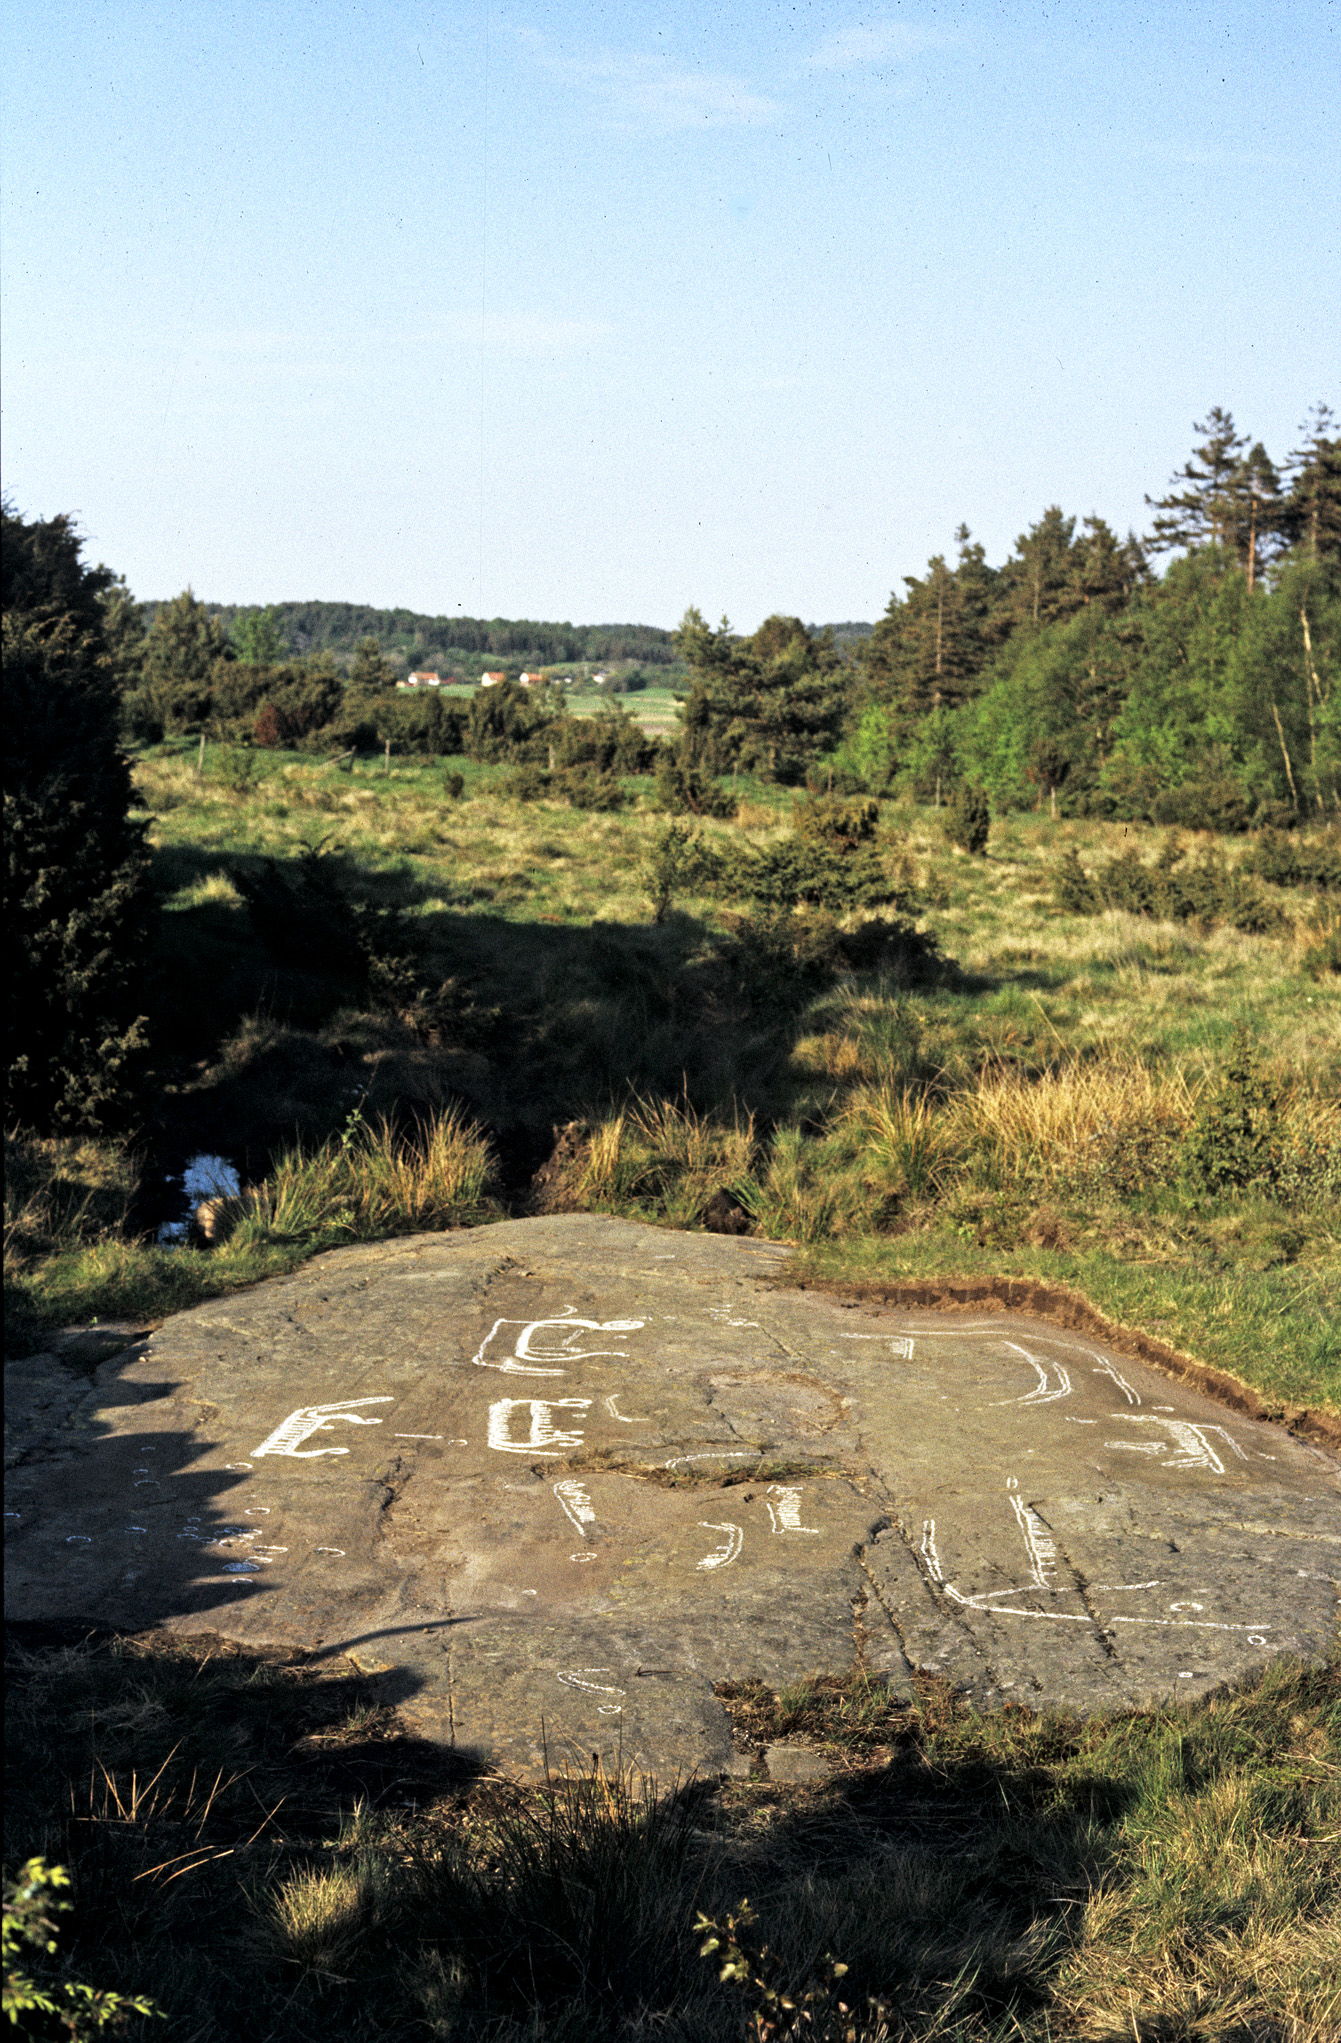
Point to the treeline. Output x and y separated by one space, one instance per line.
1075 674
412 640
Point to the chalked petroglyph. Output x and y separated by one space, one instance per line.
696 1475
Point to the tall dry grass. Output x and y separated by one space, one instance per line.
664 1154
63 1193
374 1180
1051 1126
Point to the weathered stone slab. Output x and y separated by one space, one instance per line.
556 1478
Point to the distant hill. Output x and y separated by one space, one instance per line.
849 634
465 643
469 645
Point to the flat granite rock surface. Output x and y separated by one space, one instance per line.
554 1479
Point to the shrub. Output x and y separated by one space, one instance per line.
32 1902
586 788
969 820
896 948
1235 1139
1287 862
780 958
812 872
1324 955
527 783
1072 887
610 741
1213 804
1206 893
77 902
269 728
453 786
678 863
302 915
689 791
840 825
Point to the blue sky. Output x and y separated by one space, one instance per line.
596 311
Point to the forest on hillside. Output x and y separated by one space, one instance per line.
408 639
1187 675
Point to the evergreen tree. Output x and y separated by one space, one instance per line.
1206 497
1106 571
123 620
76 892
183 648
1257 533
1311 513
370 669
928 649
257 639
769 704
1039 578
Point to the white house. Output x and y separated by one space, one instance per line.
491 680
424 679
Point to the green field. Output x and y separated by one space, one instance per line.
1041 1094
381 998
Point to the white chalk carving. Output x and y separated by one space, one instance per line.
538 1342
612 1406
1106 1368
735 1539
544 1436
1042 1552
900 1345
1043 1393
1196 1449
1039 1541
574 1680
786 1513
289 1435
715 1454
576 1503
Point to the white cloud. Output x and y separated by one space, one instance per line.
649 91
879 43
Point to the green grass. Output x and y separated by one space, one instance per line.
1145 1112
1048 1107
260 1847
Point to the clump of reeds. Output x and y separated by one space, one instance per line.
1021 1129
662 1154
374 1180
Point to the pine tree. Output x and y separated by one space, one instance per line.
1105 571
769 704
76 893
370 669
1038 578
184 646
930 646
1311 513
1207 508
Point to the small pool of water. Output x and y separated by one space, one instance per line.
205 1177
